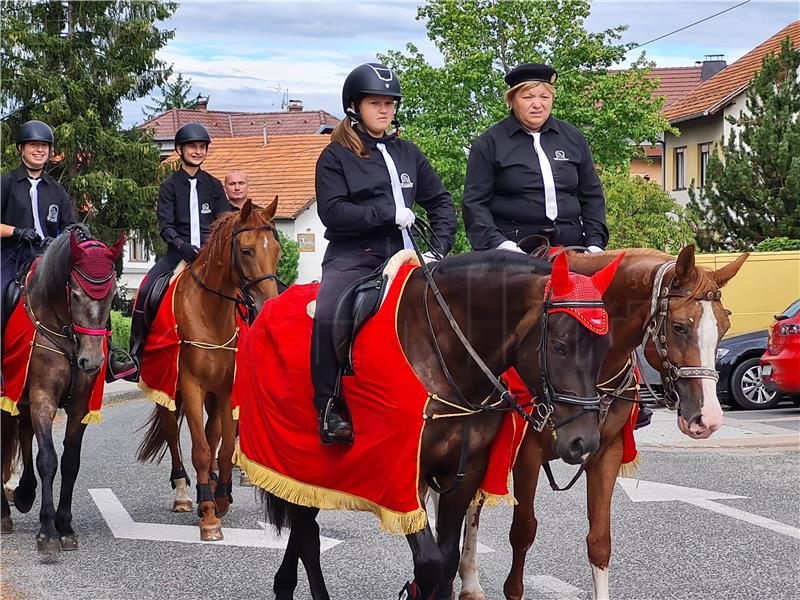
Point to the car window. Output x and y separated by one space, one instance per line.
793 310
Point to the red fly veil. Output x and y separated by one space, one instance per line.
93 265
572 287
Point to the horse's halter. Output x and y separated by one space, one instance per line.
544 408
244 302
656 331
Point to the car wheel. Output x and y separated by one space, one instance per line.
748 389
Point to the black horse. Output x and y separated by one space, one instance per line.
501 301
67 298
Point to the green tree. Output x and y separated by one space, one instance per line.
175 93
642 215
290 257
446 107
753 189
71 64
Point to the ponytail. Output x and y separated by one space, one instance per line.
345 136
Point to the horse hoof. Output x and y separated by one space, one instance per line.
6 526
69 542
210 533
182 506
472 596
244 480
22 502
48 546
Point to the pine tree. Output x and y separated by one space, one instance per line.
753 189
175 93
70 64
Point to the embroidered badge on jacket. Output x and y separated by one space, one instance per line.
405 181
205 208
52 213
560 155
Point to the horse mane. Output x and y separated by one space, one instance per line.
218 242
493 260
704 280
54 267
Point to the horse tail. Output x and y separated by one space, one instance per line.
10 447
154 445
276 510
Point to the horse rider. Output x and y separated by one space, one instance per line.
533 174
367 181
35 210
189 201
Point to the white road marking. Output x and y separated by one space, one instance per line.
123 526
553 587
650 491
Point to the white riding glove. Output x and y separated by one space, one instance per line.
594 249
511 246
404 217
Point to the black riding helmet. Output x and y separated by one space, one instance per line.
366 79
35 131
192 132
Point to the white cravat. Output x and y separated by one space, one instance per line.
550 203
397 191
194 213
37 224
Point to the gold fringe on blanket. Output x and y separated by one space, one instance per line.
492 500
235 413
93 417
157 396
9 406
304 494
630 469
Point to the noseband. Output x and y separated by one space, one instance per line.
656 331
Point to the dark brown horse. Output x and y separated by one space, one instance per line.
239 259
68 299
675 307
497 297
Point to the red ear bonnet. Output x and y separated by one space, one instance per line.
602 279
93 265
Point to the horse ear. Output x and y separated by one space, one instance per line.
247 210
271 209
115 250
602 279
685 263
726 273
560 275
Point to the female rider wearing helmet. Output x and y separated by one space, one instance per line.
366 183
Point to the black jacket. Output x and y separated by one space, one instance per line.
355 201
504 194
173 212
55 208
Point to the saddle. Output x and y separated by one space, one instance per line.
13 293
357 304
154 297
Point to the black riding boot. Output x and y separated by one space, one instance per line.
644 417
138 335
335 423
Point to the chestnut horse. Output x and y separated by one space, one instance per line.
67 297
239 260
672 305
498 296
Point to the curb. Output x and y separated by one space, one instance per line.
774 441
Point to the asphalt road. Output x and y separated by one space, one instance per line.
739 548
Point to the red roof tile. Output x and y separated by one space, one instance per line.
226 124
675 82
714 93
284 167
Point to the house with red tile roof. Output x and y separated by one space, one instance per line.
231 124
284 166
700 115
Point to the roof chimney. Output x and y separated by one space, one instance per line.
712 64
295 106
201 103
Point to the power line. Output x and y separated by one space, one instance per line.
661 37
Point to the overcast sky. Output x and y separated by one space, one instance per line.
246 55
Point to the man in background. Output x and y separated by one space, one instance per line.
236 188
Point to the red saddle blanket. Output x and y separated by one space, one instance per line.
18 344
158 374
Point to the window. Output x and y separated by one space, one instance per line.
680 168
136 250
705 150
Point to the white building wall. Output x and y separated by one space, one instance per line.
308 224
733 110
133 271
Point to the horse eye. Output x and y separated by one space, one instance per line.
248 251
560 348
680 328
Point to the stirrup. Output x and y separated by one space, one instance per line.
130 370
643 419
327 435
